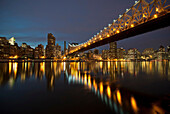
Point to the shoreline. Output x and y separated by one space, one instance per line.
60 60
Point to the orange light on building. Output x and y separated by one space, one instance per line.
109 91
101 87
117 31
42 57
132 25
134 104
119 97
155 16
93 41
100 36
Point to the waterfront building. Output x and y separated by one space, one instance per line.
24 45
58 51
161 53
50 48
105 54
4 47
168 52
39 51
121 53
26 51
14 50
96 51
90 54
113 50
148 53
133 54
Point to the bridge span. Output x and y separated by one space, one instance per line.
142 17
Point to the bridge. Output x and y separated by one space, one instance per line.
142 17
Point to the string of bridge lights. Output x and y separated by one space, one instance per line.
106 34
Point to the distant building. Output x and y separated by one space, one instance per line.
14 50
133 54
96 51
113 50
121 53
24 45
168 52
148 53
105 54
50 48
4 47
39 51
58 51
90 54
161 53
26 51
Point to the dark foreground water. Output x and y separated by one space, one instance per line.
81 87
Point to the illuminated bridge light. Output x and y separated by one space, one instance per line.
155 16
132 25
117 31
85 45
88 43
101 38
157 9
114 29
108 35
93 41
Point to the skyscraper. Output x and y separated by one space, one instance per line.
51 39
113 50
50 48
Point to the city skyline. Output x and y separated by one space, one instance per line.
77 22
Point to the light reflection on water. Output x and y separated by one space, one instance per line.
109 81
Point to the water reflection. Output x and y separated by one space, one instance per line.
102 78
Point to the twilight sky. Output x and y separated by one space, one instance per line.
71 20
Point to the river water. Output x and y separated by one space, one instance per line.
85 87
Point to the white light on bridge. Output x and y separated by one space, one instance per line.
157 9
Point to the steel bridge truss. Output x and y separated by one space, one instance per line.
141 12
